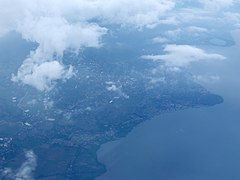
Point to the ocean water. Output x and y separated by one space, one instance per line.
194 144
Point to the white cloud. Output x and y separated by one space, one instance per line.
217 4
61 25
206 78
183 55
196 29
54 36
112 87
42 76
193 31
174 33
208 13
124 12
159 40
25 172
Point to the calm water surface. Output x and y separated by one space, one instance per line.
194 144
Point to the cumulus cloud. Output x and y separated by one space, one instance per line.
61 25
183 55
137 13
112 87
25 172
54 35
123 12
42 76
58 26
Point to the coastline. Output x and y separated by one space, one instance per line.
112 144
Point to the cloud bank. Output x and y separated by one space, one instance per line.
54 35
58 26
183 55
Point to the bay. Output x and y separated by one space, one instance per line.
192 144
